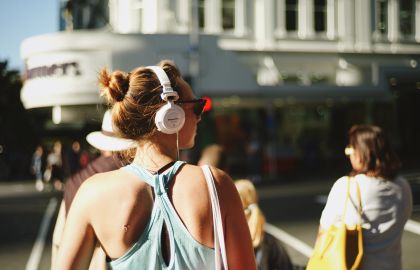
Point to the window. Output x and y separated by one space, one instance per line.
201 14
381 18
291 15
407 18
228 14
320 16
83 14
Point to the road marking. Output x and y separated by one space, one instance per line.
289 240
38 248
412 226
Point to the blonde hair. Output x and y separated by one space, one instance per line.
253 213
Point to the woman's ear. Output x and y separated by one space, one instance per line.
356 160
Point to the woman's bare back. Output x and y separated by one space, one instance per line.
123 209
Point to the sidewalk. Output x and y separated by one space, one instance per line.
20 189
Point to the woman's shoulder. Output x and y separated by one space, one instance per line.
379 181
110 184
219 175
104 179
195 177
341 183
401 180
403 184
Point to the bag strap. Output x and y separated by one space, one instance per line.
359 198
219 239
359 229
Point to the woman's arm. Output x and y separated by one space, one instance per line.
78 239
333 208
240 254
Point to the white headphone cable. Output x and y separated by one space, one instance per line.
177 147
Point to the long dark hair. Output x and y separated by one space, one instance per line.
377 157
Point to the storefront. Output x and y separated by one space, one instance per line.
285 89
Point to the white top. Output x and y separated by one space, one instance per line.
387 205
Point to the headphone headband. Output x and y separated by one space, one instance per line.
167 90
170 118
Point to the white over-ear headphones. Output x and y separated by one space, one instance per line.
169 118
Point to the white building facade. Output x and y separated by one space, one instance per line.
287 58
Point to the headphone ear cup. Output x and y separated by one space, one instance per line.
170 118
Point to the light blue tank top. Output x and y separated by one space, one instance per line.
146 253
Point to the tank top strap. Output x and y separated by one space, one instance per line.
141 173
160 181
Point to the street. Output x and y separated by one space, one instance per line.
296 209
22 209
292 208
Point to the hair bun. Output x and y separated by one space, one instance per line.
115 86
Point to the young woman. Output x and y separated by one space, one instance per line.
386 198
156 212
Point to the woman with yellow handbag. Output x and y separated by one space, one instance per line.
378 201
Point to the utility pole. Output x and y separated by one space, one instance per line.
193 53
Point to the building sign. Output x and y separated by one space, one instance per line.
62 69
63 78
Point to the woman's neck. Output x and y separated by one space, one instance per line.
153 156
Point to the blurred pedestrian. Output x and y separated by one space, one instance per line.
156 212
269 252
109 144
73 158
54 173
85 158
386 198
37 167
213 155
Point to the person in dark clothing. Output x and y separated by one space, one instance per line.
73 159
37 167
104 163
54 171
110 159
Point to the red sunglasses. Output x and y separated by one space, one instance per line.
198 105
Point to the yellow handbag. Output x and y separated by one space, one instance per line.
340 246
